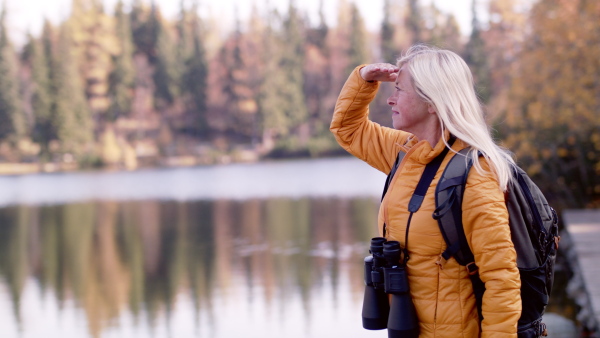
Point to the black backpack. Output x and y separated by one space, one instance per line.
534 230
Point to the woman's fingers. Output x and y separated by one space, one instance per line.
379 72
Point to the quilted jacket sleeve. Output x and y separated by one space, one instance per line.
370 142
485 221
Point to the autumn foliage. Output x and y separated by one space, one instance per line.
552 119
131 88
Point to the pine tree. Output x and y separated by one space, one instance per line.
281 100
357 52
144 27
41 100
233 80
122 78
444 31
317 76
95 44
414 21
271 97
185 26
12 121
318 35
476 58
166 74
389 50
450 34
71 114
195 76
291 63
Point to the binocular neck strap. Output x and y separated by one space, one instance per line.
419 195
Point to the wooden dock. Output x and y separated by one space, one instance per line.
581 244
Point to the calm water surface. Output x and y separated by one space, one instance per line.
264 250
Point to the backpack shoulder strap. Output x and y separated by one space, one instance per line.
448 212
388 180
448 201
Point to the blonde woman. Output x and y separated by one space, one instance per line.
434 98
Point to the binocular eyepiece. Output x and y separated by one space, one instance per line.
384 275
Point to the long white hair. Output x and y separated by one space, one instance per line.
443 79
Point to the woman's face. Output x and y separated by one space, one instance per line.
410 112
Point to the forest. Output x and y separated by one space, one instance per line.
126 88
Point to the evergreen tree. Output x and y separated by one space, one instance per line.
95 44
12 121
48 44
476 58
389 51
71 115
231 56
450 33
317 87
281 101
41 100
122 78
271 100
195 76
166 74
185 27
145 27
318 35
291 63
414 21
357 52
444 31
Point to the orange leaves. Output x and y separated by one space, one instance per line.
553 117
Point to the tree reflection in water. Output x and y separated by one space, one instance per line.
273 267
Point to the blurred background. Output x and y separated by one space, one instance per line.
169 171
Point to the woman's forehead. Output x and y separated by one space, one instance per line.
403 73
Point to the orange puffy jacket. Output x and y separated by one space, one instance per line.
442 292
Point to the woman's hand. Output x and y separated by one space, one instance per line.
385 72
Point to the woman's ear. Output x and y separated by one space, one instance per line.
431 109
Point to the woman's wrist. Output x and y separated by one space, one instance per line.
362 74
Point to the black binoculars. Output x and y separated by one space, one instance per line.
384 275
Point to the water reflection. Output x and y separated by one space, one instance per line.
253 268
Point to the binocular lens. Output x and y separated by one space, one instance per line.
377 244
391 252
385 276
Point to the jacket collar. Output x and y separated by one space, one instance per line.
422 152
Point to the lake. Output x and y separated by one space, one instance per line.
272 249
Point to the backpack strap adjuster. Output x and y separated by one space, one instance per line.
472 268
441 261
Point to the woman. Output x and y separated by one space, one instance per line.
434 98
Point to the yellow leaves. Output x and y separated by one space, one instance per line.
562 152
534 168
248 106
535 111
596 140
546 153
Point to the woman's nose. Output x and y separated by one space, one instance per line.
391 101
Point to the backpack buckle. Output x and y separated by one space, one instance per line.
441 262
472 268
